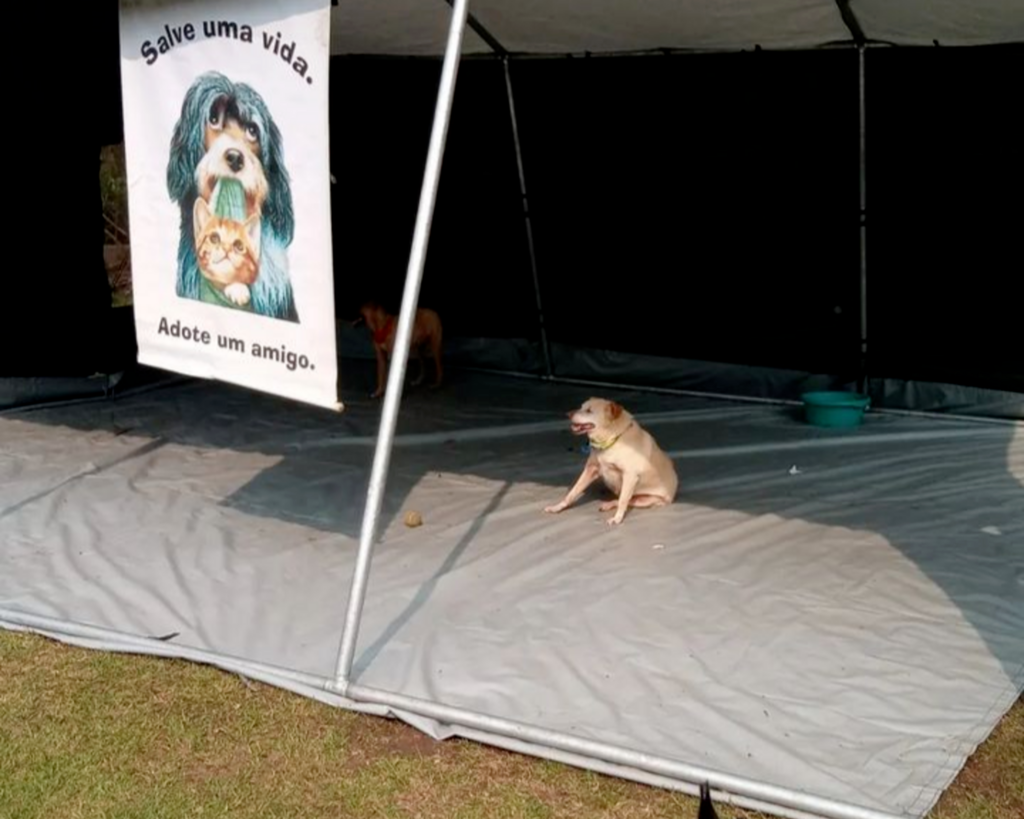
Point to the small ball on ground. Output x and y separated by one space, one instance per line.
413 519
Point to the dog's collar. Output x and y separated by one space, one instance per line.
603 445
381 335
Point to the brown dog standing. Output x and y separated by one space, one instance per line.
625 456
426 334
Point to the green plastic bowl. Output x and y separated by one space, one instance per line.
835 410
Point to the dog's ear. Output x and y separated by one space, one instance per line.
614 410
278 208
188 141
252 227
201 215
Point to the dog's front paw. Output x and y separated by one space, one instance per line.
237 293
614 521
554 510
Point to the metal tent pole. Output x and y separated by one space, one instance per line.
400 354
771 796
863 375
545 347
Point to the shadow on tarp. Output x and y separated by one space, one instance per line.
321 478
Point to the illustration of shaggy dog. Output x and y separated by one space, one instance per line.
225 131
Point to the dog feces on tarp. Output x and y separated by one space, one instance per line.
226 138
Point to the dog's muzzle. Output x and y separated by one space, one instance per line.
577 427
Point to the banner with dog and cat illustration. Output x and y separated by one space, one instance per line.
226 143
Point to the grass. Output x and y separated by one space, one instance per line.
88 734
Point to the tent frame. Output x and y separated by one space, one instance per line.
556 745
516 736
862 379
545 346
403 340
598 755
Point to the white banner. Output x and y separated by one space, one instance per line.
226 141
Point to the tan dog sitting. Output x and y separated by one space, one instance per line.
426 334
624 456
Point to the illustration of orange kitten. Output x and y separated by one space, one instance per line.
228 253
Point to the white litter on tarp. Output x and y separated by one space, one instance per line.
853 637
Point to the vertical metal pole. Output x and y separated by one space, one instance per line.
863 375
400 354
545 347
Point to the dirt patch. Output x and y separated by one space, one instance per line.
406 741
375 738
220 766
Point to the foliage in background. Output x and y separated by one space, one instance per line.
114 195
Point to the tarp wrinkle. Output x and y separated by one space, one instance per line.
852 629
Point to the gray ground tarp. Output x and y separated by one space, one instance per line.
851 628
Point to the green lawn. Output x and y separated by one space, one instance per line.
92 734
